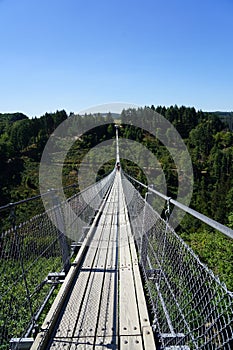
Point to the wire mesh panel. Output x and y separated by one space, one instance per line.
190 306
32 250
80 209
28 252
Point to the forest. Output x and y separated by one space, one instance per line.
207 136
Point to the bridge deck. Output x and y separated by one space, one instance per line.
101 304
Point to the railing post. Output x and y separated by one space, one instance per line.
60 220
167 216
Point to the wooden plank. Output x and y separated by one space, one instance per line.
133 251
124 252
128 313
128 342
148 338
141 301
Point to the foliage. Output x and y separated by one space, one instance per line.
214 250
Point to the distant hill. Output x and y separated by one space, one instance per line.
223 114
226 117
12 117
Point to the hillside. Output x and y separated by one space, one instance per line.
226 117
207 137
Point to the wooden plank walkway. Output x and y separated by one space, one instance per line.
101 304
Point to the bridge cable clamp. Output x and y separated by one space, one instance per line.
168 209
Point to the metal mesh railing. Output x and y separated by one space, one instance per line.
80 209
191 308
31 251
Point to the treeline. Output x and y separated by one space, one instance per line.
210 144
22 141
208 139
18 132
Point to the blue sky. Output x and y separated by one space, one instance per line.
73 54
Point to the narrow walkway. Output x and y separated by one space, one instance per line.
101 304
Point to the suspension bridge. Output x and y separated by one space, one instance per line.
127 280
